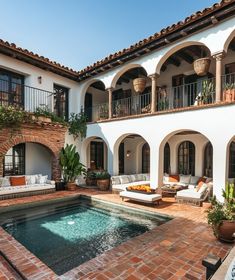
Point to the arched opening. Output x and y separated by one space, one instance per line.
178 84
146 158
131 155
27 159
125 100
167 159
96 102
208 160
186 158
183 152
228 64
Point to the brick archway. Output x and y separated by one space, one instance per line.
51 137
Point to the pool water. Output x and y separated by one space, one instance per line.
68 235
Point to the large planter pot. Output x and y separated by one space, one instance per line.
103 184
226 230
229 95
139 84
71 186
201 66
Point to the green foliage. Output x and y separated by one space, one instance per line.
229 195
12 117
78 125
102 175
217 213
71 166
229 86
90 175
207 91
45 112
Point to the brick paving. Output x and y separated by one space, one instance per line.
171 251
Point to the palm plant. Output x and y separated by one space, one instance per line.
70 163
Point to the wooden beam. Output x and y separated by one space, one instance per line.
174 61
214 20
188 58
183 33
163 69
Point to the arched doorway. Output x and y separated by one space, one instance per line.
146 158
167 159
231 168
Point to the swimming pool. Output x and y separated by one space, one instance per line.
65 235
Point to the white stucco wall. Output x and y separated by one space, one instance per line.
37 160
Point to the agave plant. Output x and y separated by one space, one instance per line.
229 195
70 163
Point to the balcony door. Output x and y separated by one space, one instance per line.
61 96
11 89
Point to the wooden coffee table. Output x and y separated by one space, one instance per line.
169 190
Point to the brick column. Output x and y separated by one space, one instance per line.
153 92
218 78
110 91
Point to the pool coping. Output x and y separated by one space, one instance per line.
33 268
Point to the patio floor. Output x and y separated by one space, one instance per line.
171 251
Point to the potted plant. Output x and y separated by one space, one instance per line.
221 216
201 66
103 180
229 92
90 178
71 166
43 114
103 111
205 97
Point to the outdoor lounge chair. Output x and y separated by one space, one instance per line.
194 196
141 197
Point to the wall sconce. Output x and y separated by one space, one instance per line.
128 153
39 79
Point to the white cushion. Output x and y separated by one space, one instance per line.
4 182
139 177
41 179
146 176
133 178
140 196
165 179
194 180
115 180
191 186
203 188
185 179
31 179
188 193
124 179
19 189
180 184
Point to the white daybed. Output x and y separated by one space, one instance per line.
141 197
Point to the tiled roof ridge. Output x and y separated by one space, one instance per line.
193 17
163 32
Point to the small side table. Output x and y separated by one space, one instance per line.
60 186
168 190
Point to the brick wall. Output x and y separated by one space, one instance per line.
51 136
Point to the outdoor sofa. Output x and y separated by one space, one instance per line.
25 185
121 182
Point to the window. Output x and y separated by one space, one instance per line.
145 158
232 160
186 158
14 161
11 88
96 155
167 162
208 160
61 95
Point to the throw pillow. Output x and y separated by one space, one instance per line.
203 188
4 182
200 183
115 180
173 178
194 180
41 179
18 181
185 179
124 179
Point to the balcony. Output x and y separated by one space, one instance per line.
26 97
168 98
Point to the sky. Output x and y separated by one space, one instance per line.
77 33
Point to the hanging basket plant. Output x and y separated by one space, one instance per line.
139 84
201 66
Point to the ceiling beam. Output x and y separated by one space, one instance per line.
175 61
188 58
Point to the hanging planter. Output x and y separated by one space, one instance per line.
139 84
201 66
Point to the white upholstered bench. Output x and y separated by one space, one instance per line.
141 197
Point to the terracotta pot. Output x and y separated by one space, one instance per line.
226 231
139 84
103 184
229 95
201 66
71 186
